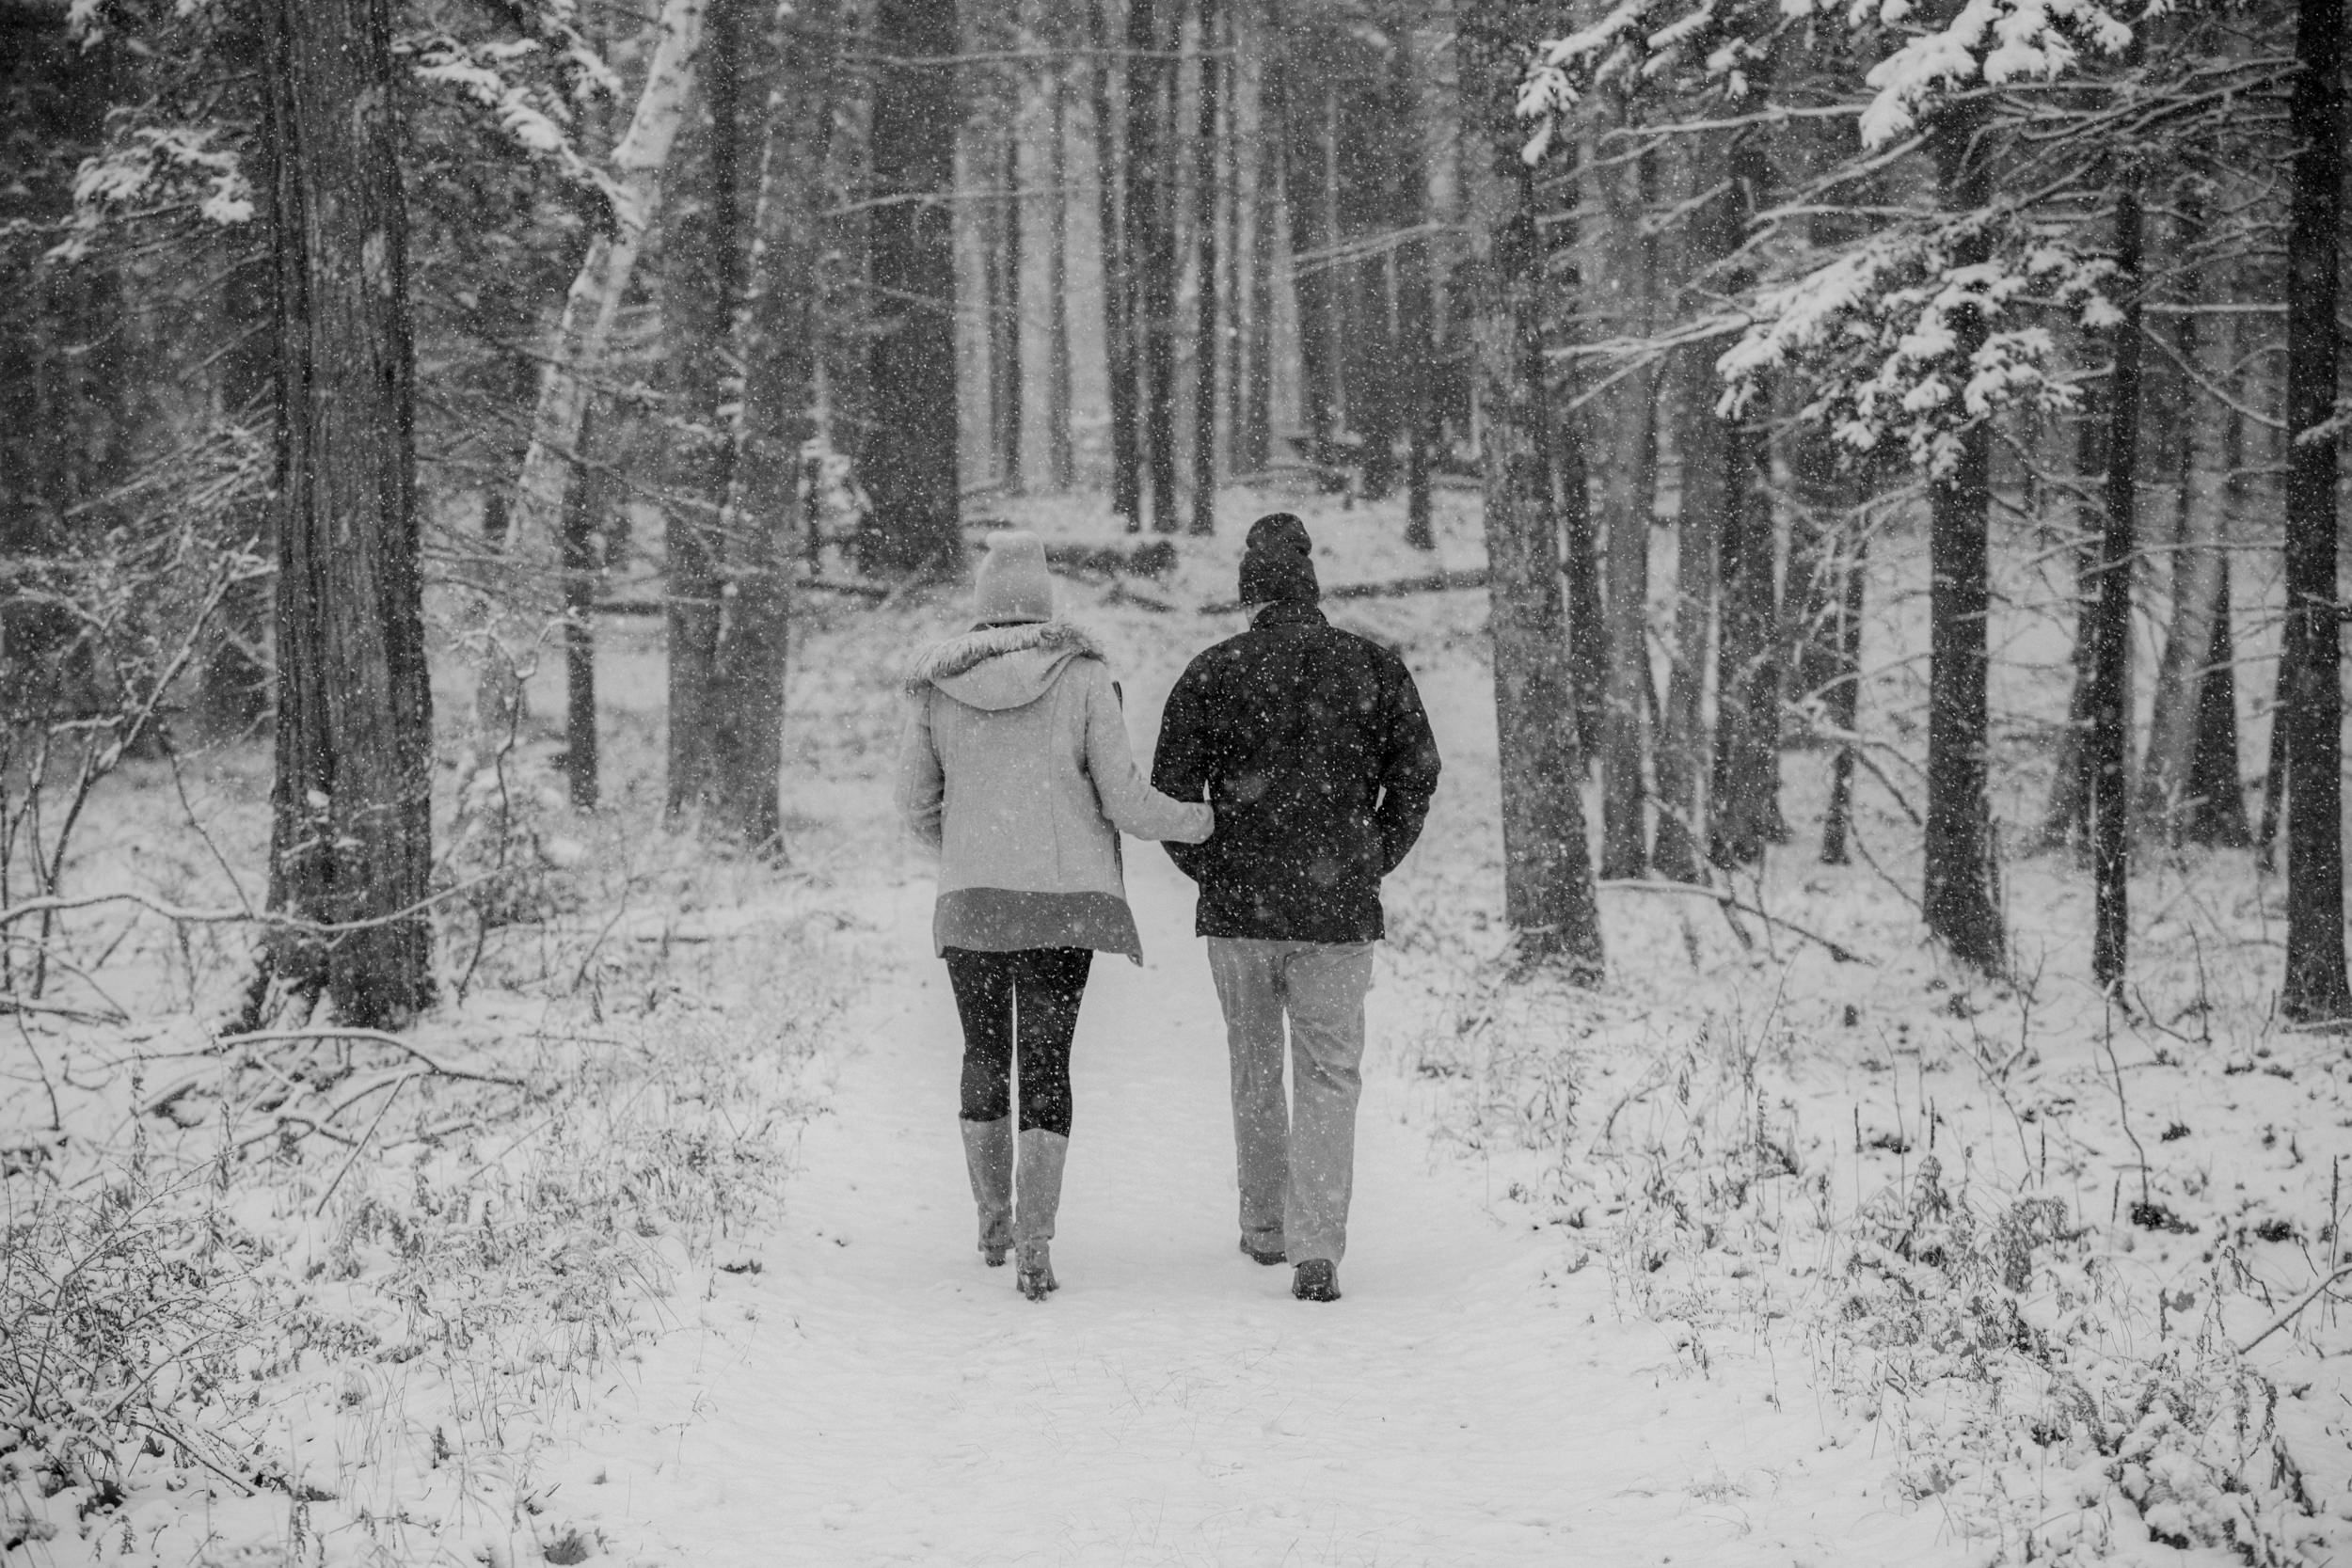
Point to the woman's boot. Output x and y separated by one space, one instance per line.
1040 1190
988 1156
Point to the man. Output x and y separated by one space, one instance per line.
1311 745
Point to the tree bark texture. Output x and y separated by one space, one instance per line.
1113 195
2316 987
702 287
1309 136
1205 250
523 593
1682 750
1061 469
1629 482
1006 412
1961 897
1841 698
773 335
909 463
2066 822
351 830
583 514
2167 796
1548 896
1254 437
2110 671
1152 218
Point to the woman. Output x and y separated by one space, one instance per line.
1016 768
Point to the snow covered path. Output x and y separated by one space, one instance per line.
874 1394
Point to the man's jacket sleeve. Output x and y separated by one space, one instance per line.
1409 770
1179 763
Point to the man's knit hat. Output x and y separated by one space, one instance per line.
1278 563
1011 583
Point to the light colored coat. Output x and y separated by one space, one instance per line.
1016 768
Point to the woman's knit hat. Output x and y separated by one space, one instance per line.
1278 562
1011 583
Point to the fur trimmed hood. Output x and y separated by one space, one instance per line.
995 667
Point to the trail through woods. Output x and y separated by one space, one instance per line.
875 1394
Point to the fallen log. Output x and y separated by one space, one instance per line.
1395 588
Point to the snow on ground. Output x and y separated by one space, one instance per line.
875 1394
1750 1257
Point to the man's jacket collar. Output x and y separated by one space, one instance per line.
1288 612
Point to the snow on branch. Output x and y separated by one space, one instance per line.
1705 47
1987 42
1875 331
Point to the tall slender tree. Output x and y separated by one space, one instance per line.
1206 259
2316 987
351 842
1962 893
2110 677
1114 197
909 463
1548 895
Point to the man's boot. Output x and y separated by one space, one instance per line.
988 1156
1039 1188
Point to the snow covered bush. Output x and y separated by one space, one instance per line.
133 1316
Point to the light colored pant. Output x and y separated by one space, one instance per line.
1296 1159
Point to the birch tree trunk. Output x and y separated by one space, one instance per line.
1548 896
351 835
522 600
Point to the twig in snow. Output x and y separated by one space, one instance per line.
398 1084
2342 1272
1837 951
270 1037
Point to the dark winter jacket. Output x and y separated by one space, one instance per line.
1311 745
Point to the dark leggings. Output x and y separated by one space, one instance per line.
1031 994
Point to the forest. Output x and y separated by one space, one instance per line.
1859 482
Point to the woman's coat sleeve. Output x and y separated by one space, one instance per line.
922 785
1134 807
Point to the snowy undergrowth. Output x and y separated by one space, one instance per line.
1907 1191
310 1295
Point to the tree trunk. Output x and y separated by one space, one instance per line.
583 514
2316 987
1588 627
2110 674
2217 797
1061 464
1842 699
1152 218
1004 335
1308 127
703 287
1630 483
772 336
1113 195
1548 897
1254 440
522 607
351 835
2066 822
2167 796
1960 898
1682 752
1205 261
1744 797
909 465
